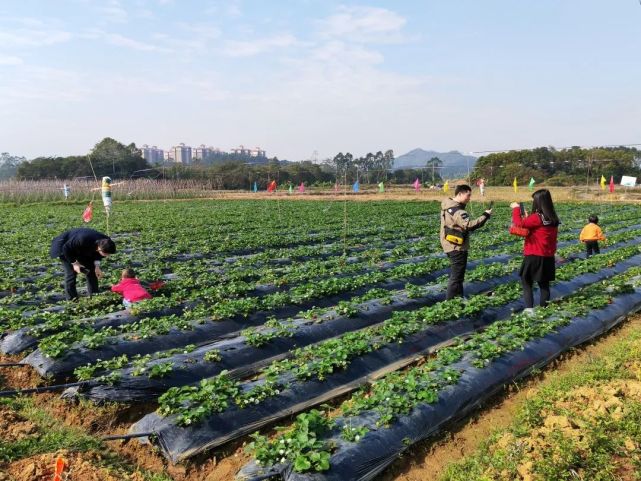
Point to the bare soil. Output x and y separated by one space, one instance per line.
407 193
84 466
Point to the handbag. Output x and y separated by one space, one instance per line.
519 231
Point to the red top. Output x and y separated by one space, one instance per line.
541 241
131 290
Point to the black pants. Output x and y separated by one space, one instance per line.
528 293
592 247
458 264
70 281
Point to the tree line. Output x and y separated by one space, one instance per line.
108 158
571 166
9 165
224 171
368 168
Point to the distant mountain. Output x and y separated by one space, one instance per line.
455 164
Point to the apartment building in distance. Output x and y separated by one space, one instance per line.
152 154
185 154
255 152
182 154
202 152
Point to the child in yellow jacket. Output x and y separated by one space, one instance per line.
591 235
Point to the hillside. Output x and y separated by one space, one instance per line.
455 164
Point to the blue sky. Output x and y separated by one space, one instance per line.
319 75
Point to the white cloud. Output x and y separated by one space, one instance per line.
122 41
44 83
31 37
227 8
120 84
206 89
202 30
10 60
337 53
114 12
248 48
363 24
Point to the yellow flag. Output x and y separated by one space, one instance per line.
515 185
446 187
602 183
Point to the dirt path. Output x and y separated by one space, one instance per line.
428 461
406 193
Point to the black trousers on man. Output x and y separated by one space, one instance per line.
458 264
70 281
592 247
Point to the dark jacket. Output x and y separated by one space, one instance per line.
77 245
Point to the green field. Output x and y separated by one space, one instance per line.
272 308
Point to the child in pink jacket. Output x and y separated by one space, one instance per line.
130 288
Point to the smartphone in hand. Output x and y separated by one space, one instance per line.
522 208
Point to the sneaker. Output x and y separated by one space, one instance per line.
528 311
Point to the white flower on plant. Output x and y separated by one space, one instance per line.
282 460
357 438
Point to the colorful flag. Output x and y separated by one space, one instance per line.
531 184
417 185
356 187
446 187
291 188
603 181
611 184
272 186
381 187
515 185
87 215
59 469
255 187
301 187
65 191
336 187
106 194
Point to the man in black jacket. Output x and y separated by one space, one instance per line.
80 251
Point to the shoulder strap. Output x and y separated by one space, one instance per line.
452 210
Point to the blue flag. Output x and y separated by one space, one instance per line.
356 186
255 187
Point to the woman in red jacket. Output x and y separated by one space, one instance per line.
540 246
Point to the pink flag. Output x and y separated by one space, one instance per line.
87 215
301 187
336 187
611 184
417 185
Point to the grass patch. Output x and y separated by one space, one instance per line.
583 425
52 436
